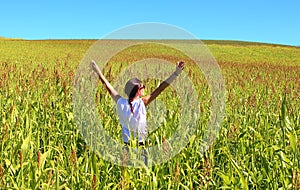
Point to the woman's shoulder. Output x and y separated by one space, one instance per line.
141 102
121 100
125 101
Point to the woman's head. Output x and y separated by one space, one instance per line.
134 86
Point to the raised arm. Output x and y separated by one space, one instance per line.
149 98
113 93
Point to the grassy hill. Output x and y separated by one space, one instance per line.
224 51
10 39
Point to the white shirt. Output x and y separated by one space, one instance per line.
135 122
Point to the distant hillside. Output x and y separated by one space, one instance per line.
241 43
4 38
217 42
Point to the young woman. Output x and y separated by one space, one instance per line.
132 110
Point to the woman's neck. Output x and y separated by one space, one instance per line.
136 97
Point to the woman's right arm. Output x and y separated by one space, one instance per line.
149 98
113 93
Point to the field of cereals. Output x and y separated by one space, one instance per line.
257 146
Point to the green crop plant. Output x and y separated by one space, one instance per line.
257 147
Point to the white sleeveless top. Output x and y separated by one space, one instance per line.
135 122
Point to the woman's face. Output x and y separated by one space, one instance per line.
141 90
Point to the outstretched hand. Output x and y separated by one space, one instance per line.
179 67
95 67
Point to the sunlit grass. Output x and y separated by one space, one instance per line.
258 145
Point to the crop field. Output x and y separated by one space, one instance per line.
258 145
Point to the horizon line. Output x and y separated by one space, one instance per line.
204 40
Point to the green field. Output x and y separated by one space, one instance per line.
257 147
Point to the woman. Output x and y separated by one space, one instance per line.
132 111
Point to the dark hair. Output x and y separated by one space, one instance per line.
131 88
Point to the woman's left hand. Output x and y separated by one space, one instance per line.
95 67
179 67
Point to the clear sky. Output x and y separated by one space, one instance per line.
271 21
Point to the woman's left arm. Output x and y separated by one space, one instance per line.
149 98
113 93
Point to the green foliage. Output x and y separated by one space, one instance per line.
258 145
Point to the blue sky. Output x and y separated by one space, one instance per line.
268 21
